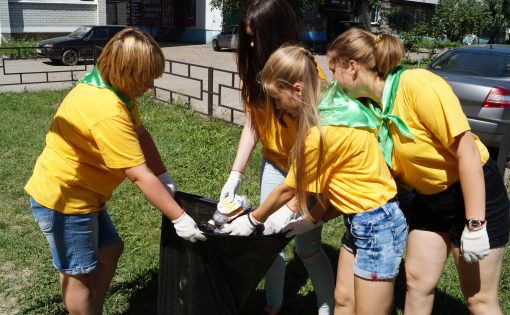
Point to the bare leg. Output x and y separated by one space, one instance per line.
344 289
479 282
426 256
373 297
85 294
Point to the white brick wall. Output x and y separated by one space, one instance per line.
53 16
5 24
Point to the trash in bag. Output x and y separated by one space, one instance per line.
215 276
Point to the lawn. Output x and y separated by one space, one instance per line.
198 152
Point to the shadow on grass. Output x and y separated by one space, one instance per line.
142 292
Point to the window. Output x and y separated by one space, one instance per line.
375 15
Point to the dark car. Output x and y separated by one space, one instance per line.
84 42
480 77
226 39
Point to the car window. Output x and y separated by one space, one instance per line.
80 32
476 63
99 33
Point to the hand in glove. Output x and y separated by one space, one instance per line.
243 226
474 245
300 226
229 189
168 182
187 229
277 221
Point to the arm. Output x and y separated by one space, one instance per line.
153 159
154 191
474 242
246 144
276 199
150 151
471 175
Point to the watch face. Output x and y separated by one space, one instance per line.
475 223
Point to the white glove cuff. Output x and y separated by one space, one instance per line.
253 221
179 219
235 175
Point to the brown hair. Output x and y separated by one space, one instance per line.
273 23
287 66
379 53
132 57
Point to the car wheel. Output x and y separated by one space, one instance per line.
215 45
70 57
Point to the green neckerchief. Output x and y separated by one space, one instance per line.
388 99
94 78
338 109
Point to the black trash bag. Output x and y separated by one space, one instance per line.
212 277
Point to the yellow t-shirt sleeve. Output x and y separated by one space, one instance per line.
439 109
117 142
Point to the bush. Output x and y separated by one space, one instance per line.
18 48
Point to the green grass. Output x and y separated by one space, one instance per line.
198 152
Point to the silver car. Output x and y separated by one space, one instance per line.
480 77
226 39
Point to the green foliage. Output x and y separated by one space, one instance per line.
18 48
455 18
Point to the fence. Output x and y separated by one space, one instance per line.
210 91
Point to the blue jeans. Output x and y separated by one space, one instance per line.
308 245
75 239
378 239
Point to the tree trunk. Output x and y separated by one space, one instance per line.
364 15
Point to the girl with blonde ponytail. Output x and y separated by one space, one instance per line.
459 202
337 161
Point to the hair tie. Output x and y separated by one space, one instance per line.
378 38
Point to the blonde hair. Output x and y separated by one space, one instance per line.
285 67
131 58
379 53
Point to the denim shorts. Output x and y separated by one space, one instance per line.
75 239
377 238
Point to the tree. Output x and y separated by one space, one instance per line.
455 18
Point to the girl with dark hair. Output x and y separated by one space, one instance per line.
460 203
265 26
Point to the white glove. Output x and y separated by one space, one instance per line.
229 189
243 226
168 182
277 221
300 226
187 229
474 245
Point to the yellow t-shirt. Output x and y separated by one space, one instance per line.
353 174
277 139
91 140
427 104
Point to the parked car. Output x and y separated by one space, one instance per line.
226 39
82 43
480 77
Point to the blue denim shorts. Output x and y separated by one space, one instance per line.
75 239
377 238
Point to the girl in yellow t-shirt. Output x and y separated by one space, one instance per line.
95 141
460 203
265 26
336 159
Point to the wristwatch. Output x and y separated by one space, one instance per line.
474 224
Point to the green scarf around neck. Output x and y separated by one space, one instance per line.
94 78
385 116
338 109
